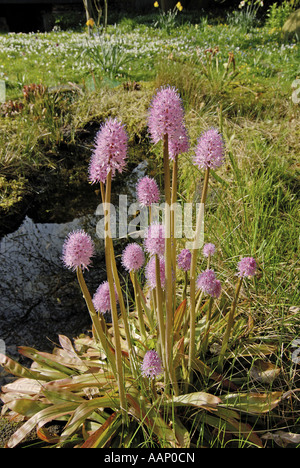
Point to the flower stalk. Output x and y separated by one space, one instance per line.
109 254
229 326
169 235
196 245
99 330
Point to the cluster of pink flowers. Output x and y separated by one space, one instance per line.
209 152
166 117
150 273
209 284
133 257
184 260
147 191
151 366
178 142
247 267
154 242
101 298
110 151
78 250
209 249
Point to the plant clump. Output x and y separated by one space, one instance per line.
159 373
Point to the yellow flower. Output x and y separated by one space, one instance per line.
179 6
90 22
156 4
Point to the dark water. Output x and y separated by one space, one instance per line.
39 297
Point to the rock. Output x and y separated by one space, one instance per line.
291 27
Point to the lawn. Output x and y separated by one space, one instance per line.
231 75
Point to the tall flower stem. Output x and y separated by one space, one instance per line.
207 326
229 326
108 257
173 207
95 320
168 263
195 249
138 303
160 313
106 198
147 310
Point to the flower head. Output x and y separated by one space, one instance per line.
178 142
101 298
209 151
90 22
78 249
209 249
156 4
133 257
147 191
110 151
209 284
247 267
184 260
150 273
165 113
154 242
179 6
152 365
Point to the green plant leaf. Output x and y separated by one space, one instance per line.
85 409
102 435
53 412
255 403
26 406
14 368
199 399
46 360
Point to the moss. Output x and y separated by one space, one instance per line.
8 428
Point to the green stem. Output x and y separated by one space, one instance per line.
100 336
117 339
173 207
147 310
168 267
207 326
230 322
138 304
106 197
160 314
193 274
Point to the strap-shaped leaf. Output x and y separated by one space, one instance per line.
102 435
14 368
53 412
255 403
199 399
86 408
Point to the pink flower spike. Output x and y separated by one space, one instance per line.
209 284
178 142
150 273
165 114
101 298
133 257
209 152
217 290
247 267
110 151
77 250
154 242
184 260
152 365
209 249
147 191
